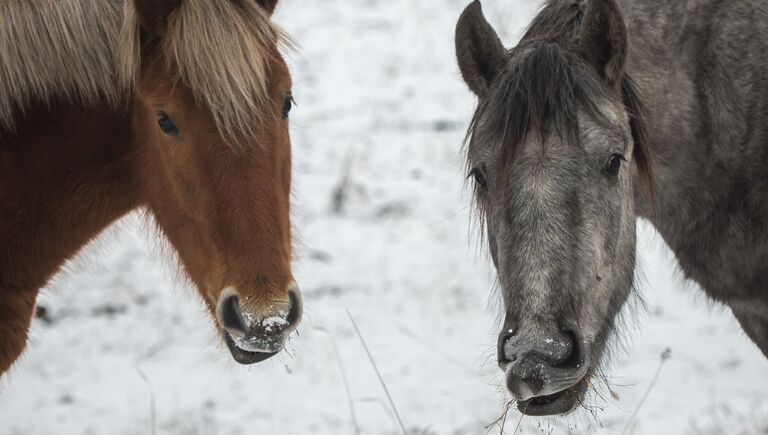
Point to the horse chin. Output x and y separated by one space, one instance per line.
562 402
243 356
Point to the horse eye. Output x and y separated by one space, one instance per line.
614 164
477 174
287 104
166 124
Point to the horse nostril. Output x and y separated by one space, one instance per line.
554 348
294 313
559 350
570 353
502 356
232 315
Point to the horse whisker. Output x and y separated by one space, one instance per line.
502 418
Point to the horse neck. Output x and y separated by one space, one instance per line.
65 175
707 131
664 62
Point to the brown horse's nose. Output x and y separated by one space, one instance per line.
255 336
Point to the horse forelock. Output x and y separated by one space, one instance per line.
50 48
222 51
88 50
544 86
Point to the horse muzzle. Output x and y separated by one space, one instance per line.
255 335
546 368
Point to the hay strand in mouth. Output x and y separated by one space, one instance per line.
502 420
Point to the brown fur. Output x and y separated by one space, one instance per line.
72 162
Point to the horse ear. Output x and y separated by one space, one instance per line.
604 40
153 14
268 5
478 49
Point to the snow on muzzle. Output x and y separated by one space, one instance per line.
546 368
255 334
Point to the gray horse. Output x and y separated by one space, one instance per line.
608 110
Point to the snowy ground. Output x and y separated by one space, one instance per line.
377 86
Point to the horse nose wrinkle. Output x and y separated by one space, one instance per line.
551 347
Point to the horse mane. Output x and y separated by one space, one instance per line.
543 91
89 50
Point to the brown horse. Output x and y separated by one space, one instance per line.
176 107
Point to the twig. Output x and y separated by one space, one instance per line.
344 379
519 422
664 357
152 406
378 374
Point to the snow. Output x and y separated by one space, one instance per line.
259 343
377 91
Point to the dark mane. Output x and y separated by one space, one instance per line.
542 92
559 21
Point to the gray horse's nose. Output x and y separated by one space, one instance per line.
540 360
547 345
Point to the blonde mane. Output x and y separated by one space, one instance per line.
87 50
